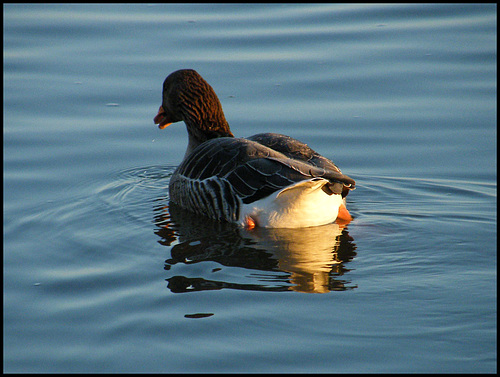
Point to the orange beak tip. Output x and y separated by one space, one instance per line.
161 119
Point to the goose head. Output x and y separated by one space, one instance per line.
188 97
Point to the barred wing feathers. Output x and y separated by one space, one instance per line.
212 178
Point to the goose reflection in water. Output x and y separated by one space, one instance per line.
304 260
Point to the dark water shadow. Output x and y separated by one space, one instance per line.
311 260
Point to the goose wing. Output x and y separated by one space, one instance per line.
255 170
299 151
294 149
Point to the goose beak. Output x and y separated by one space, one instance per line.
161 119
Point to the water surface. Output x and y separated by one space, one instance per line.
102 274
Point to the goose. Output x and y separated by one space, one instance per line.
266 180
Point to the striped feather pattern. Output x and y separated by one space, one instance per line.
212 197
222 174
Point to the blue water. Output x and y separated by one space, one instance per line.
102 275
